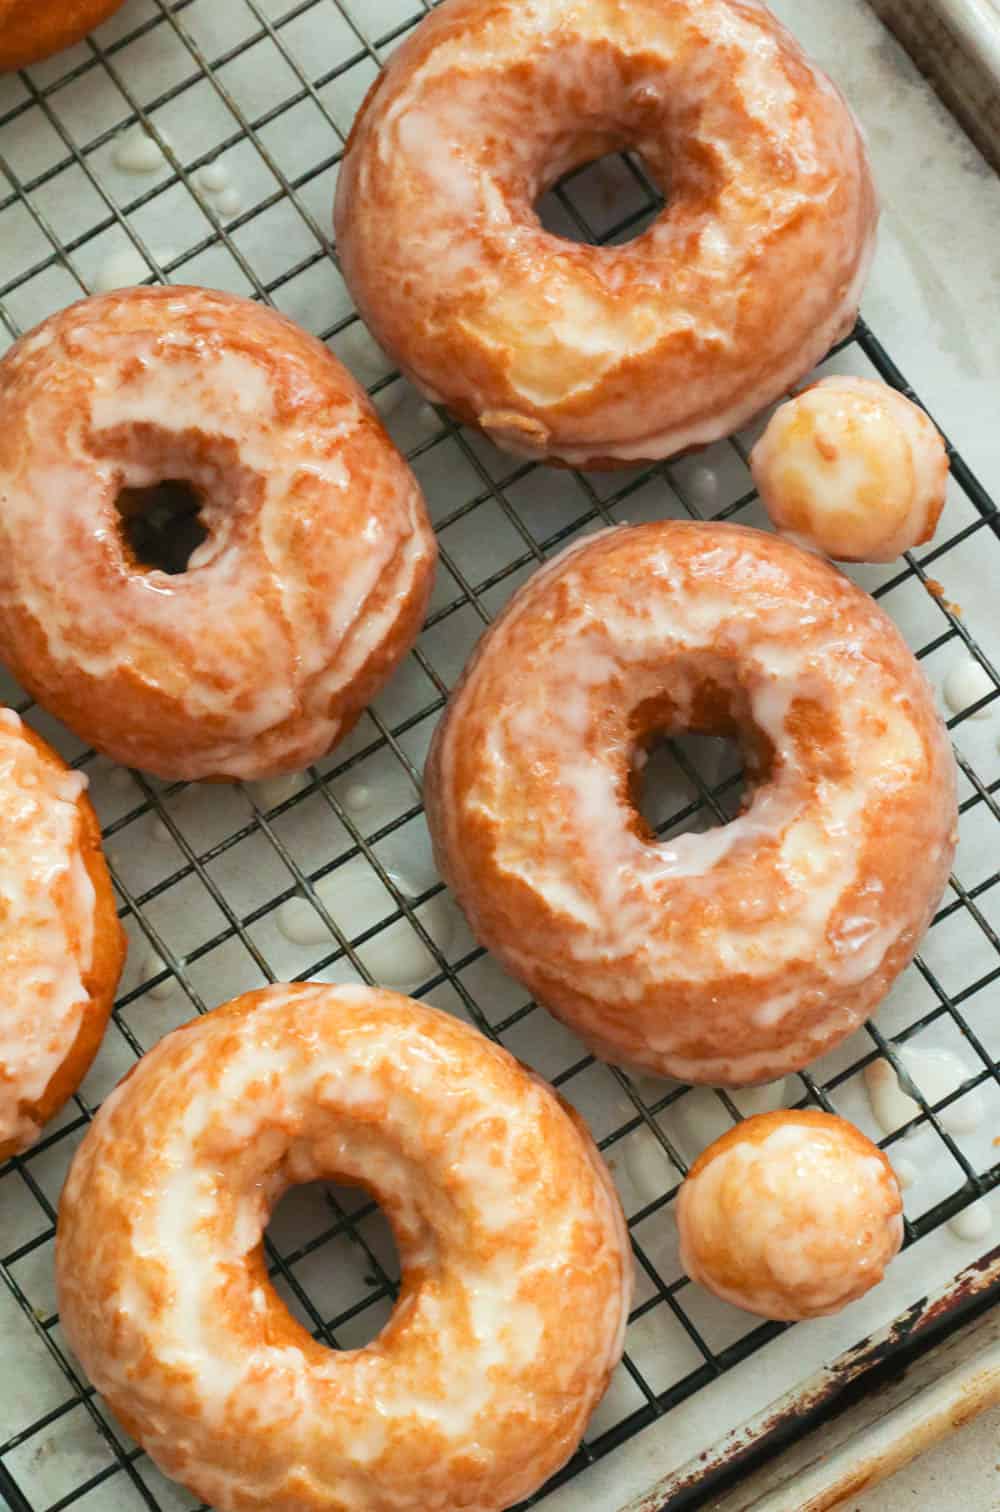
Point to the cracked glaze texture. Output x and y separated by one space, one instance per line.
602 356
790 1215
61 946
733 956
515 1259
315 573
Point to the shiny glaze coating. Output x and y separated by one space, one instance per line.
61 945
516 1267
790 1214
34 29
604 355
852 468
315 574
733 956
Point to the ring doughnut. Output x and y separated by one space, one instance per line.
515 1259
600 356
729 957
34 31
790 1215
159 417
61 944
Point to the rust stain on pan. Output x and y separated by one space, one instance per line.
850 1376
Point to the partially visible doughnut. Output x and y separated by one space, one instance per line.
34 29
728 957
600 356
61 945
516 1266
790 1214
312 581
853 468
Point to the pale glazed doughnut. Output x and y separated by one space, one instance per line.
515 1259
61 945
851 467
790 1215
34 29
602 356
729 957
316 571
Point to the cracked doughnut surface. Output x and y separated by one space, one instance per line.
308 588
516 1266
61 945
733 956
605 355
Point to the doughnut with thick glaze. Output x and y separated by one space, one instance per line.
728 957
61 945
309 587
34 29
791 1215
600 356
852 468
516 1267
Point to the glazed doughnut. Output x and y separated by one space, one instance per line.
34 29
733 956
61 945
790 1215
252 654
599 356
853 468
515 1259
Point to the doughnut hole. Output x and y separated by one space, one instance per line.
161 526
704 730
602 190
351 1275
178 496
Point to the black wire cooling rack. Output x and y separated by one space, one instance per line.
203 876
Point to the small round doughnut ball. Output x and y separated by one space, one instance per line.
212 556
790 1215
34 29
852 468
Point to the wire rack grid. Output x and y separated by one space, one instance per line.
206 876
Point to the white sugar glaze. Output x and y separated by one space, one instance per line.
973 1222
46 924
729 956
613 353
312 579
809 1212
966 683
515 1259
937 1072
136 151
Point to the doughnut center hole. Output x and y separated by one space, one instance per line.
339 1249
689 783
161 524
606 201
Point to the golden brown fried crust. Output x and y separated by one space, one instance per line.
716 971
100 981
320 562
35 29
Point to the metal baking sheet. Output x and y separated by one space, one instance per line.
212 880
